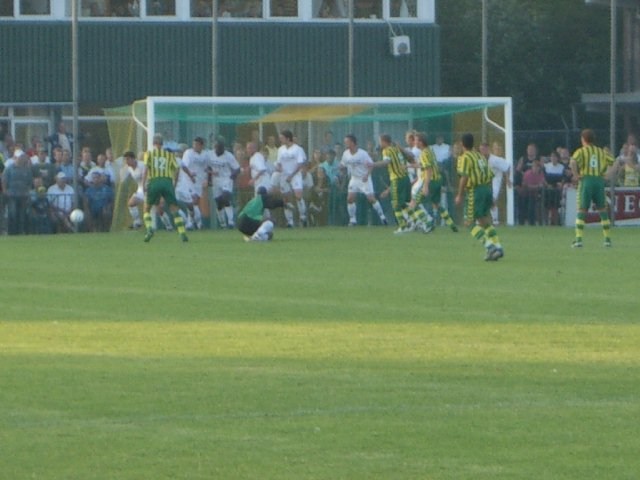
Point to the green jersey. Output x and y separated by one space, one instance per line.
160 163
592 161
476 168
254 208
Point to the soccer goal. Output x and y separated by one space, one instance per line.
316 121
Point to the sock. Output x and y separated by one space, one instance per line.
477 232
399 214
351 208
222 222
148 221
491 233
263 231
606 224
229 212
288 213
580 225
378 208
197 214
418 215
302 209
154 217
494 214
167 221
178 222
444 214
135 214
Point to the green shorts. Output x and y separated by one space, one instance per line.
591 189
400 193
435 188
481 201
161 187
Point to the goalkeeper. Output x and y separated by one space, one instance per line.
252 221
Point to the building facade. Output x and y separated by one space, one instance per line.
130 49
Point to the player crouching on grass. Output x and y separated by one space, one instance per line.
252 221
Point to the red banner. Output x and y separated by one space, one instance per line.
625 204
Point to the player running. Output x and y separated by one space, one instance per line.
429 185
158 180
291 159
359 164
475 179
135 169
590 165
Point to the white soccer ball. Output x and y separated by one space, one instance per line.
77 216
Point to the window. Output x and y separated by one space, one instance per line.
35 7
284 8
161 7
330 8
228 8
6 9
94 8
367 9
404 8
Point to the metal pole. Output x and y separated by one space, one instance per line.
612 102
484 62
214 48
613 76
350 48
74 88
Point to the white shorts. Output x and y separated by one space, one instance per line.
263 181
184 195
416 187
294 184
497 184
221 185
357 185
139 195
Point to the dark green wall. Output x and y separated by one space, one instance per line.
124 61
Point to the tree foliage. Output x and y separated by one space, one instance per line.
543 53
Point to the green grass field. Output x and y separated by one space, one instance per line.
326 354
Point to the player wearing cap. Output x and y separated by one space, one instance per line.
158 180
358 163
252 221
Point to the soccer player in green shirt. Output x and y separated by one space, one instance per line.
400 188
158 180
430 185
475 178
251 221
590 165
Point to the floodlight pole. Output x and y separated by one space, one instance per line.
214 48
350 87
74 94
484 62
613 76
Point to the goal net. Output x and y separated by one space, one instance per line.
314 121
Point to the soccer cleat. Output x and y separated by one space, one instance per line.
489 257
148 236
426 228
383 221
352 224
497 254
576 244
402 230
183 237
454 228
607 243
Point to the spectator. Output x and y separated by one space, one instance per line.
532 185
554 177
41 212
629 170
5 144
98 203
67 165
522 196
43 168
16 186
86 164
318 207
102 167
61 197
61 138
327 143
332 173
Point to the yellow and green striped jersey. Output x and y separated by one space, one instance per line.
474 166
592 161
428 160
160 163
397 162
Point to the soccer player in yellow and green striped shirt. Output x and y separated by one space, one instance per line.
430 185
396 163
590 165
158 180
475 178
